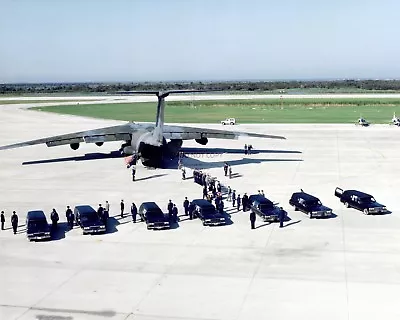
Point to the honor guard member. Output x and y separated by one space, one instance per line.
245 149
14 222
3 219
100 211
169 207
183 173
186 206
219 187
70 217
175 213
226 169
233 198
245 202
205 192
191 209
221 207
122 206
133 212
238 202
262 193
230 172
281 218
107 207
229 193
54 218
252 219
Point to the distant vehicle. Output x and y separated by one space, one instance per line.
395 120
37 227
309 204
362 122
360 201
88 219
230 121
151 213
263 207
207 213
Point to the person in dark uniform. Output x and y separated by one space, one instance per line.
219 187
226 169
70 220
245 149
100 211
191 209
186 206
238 200
221 207
133 212
175 213
3 219
233 198
183 174
169 207
281 218
14 222
54 218
245 202
205 192
122 206
230 172
252 219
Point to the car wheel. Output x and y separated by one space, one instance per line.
223 123
311 215
346 204
366 211
295 208
231 123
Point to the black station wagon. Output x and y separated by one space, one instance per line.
263 207
309 204
360 201
151 213
206 212
37 227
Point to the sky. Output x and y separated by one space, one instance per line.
209 40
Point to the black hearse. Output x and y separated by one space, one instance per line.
360 201
206 212
309 204
264 207
37 227
88 219
151 213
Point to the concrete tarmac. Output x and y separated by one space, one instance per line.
346 267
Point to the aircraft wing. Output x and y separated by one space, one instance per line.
115 133
187 133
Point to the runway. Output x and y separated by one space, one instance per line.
347 267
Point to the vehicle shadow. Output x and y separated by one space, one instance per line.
112 224
150 177
291 223
59 233
87 156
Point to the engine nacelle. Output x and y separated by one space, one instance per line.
202 141
74 146
99 144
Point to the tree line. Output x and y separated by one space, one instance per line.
239 86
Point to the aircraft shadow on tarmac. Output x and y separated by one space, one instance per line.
210 151
87 156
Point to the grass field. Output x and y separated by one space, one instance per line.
319 110
39 101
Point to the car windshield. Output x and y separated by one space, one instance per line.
314 203
40 224
367 200
208 212
89 218
266 206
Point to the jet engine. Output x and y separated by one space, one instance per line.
203 141
74 146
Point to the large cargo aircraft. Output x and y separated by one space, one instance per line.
149 142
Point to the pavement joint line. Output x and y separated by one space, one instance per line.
254 274
159 279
